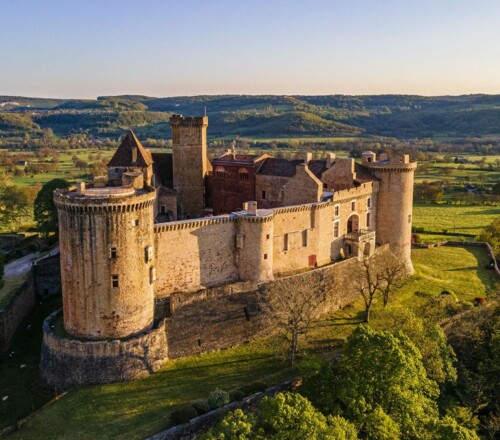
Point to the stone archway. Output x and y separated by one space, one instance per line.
353 223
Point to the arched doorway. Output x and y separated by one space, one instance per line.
353 223
367 249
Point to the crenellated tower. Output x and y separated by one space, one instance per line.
190 164
394 202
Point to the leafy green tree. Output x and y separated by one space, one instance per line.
438 357
491 234
44 208
286 416
15 203
448 428
379 426
382 372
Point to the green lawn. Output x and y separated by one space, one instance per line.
140 408
11 285
454 218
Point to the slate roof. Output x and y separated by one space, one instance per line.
123 155
163 169
279 167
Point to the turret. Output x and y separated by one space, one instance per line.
394 203
254 243
107 259
190 164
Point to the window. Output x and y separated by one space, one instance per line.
152 275
220 172
336 210
112 252
369 202
163 209
243 174
353 205
247 315
263 195
336 229
268 237
305 237
409 218
368 219
135 222
325 185
265 256
239 241
148 254
285 242
114 280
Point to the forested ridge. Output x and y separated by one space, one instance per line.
400 116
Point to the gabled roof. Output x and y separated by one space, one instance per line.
279 167
123 155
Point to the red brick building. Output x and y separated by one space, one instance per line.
233 181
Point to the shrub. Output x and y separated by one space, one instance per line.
218 398
236 395
183 414
421 294
201 407
254 387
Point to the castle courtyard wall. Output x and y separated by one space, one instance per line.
193 254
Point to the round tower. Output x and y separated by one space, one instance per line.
107 260
394 204
255 243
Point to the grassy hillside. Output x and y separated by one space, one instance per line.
143 407
400 116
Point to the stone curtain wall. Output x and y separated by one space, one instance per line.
47 276
230 315
14 313
194 254
67 362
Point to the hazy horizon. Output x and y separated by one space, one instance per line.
84 49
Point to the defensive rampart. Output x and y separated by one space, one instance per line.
15 311
67 362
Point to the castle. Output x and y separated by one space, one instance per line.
149 250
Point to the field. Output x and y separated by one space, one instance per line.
142 407
454 218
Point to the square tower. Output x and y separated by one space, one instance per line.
190 164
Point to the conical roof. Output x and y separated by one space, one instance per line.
124 155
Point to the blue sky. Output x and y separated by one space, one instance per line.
86 48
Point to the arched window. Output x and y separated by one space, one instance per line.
243 174
220 172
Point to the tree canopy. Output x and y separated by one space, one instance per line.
45 209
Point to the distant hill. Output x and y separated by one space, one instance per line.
401 116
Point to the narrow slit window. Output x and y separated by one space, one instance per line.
148 254
336 229
247 315
305 237
263 195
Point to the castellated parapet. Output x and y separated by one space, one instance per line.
394 204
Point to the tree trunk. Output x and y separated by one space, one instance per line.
367 312
293 345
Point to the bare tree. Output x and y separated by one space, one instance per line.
293 307
377 275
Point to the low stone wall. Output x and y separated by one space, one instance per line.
47 276
206 421
14 313
67 362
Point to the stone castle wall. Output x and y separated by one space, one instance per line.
67 362
15 311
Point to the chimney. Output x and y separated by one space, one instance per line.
330 158
251 208
80 188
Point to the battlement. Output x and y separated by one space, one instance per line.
188 121
121 198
